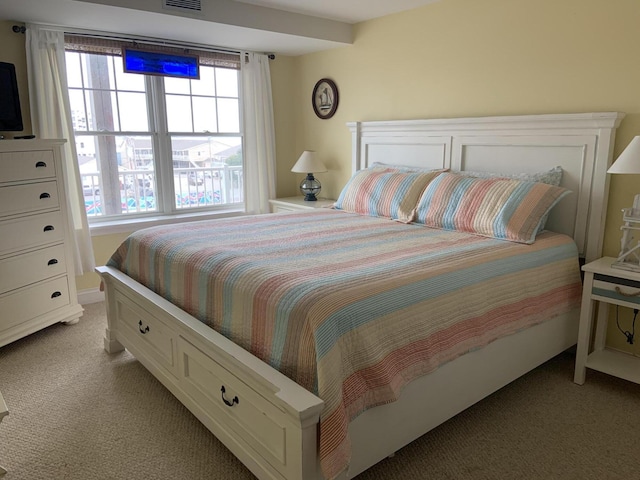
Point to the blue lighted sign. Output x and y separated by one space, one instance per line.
150 62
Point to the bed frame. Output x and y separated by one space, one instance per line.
268 421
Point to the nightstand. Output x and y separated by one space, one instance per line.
291 204
607 286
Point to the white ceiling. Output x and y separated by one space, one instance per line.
348 11
287 27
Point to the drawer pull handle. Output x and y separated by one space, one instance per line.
227 402
44 195
40 164
55 294
48 228
53 261
142 330
620 292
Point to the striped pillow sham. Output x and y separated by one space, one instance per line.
500 208
384 193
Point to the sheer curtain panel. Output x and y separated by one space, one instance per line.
259 148
51 118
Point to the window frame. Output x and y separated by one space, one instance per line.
166 209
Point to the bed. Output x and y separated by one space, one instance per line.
249 400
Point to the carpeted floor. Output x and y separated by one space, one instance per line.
77 413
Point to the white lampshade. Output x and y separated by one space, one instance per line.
629 159
309 163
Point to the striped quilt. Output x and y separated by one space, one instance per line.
352 307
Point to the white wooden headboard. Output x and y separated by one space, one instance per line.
581 143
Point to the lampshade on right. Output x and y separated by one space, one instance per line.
629 159
309 163
629 256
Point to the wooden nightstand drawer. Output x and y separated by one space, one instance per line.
616 288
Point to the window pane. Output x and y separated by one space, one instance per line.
204 114
229 116
226 82
117 174
176 85
206 85
207 171
74 75
128 81
133 112
78 114
179 113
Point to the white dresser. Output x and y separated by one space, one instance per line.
37 275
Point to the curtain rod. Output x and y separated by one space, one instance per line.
145 40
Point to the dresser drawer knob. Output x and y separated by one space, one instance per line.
227 402
620 292
56 294
53 261
142 330
44 195
48 228
41 165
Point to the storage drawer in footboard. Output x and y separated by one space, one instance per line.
138 328
261 427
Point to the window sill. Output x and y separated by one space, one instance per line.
132 224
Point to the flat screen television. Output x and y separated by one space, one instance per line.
10 113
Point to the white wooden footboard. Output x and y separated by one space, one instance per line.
267 420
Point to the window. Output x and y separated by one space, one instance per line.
153 145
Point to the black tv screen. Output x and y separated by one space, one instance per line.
10 113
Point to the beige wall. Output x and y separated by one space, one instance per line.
452 58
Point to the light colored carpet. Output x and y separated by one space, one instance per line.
77 413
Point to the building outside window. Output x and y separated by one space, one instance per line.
154 145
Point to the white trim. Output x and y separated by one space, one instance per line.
90 295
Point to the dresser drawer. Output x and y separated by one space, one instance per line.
32 267
31 231
30 197
31 165
144 331
30 302
234 406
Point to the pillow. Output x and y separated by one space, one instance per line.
406 168
505 209
550 177
384 193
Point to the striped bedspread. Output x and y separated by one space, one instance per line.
352 307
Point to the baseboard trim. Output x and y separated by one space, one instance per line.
90 295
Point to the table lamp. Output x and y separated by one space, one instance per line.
309 163
629 256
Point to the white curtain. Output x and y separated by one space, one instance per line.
259 133
51 118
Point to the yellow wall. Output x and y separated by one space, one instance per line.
448 59
470 58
